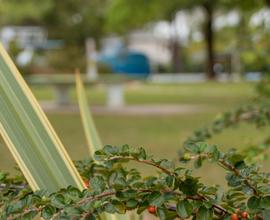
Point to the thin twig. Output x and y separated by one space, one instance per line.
237 173
148 162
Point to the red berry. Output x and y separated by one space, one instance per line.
234 216
244 214
152 209
86 183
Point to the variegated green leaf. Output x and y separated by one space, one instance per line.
29 135
92 137
91 134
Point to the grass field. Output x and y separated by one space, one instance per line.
162 136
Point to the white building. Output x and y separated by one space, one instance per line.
154 47
25 36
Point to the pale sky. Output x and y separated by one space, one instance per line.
185 22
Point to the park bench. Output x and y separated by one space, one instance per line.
62 83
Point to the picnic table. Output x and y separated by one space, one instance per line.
62 83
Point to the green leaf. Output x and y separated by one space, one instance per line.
202 147
193 148
233 180
266 214
72 212
124 195
98 184
58 201
119 206
109 208
155 198
48 212
189 186
91 133
99 155
184 208
204 214
158 201
111 150
213 151
74 193
118 180
198 162
29 136
2 176
92 137
170 180
236 159
30 215
161 213
142 207
131 204
125 150
265 202
167 164
141 154
253 203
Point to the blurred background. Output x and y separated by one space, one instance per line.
155 70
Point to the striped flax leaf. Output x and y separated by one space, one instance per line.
29 135
90 131
93 140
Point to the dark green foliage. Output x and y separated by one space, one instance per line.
257 114
173 191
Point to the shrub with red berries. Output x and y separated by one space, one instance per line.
173 192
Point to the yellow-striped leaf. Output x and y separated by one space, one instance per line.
29 135
90 131
93 140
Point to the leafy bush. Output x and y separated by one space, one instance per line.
111 187
257 114
173 192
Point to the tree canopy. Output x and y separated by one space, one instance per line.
23 12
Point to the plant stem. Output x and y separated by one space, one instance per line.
148 162
237 173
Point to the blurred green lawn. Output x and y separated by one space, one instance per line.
162 136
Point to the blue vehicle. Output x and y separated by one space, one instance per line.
127 62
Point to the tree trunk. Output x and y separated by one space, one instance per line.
267 3
209 38
176 56
175 47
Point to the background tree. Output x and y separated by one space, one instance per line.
156 10
267 2
120 11
75 21
71 22
210 8
27 12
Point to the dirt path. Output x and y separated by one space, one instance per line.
153 109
